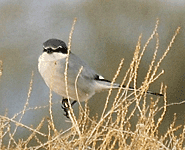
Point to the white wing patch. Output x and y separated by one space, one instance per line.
101 77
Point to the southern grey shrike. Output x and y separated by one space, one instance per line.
52 65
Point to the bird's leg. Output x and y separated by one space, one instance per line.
73 103
65 106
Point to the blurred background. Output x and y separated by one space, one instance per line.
105 32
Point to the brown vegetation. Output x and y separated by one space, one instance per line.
113 129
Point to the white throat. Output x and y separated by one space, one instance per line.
52 57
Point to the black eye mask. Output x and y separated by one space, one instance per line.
62 50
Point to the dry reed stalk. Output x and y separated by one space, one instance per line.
114 129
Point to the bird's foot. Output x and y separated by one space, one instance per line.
65 106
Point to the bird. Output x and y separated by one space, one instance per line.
52 64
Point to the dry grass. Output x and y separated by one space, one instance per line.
113 129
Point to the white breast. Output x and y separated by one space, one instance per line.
52 67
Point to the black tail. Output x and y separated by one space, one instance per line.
115 85
158 94
149 92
